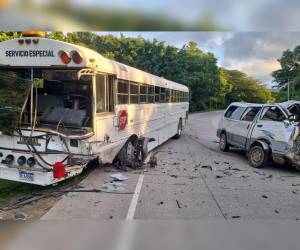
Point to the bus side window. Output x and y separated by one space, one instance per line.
143 93
162 95
176 96
168 95
100 93
134 93
110 93
122 91
150 93
157 93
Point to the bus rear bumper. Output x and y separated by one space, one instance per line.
36 177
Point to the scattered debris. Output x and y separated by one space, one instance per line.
233 169
227 173
245 176
160 203
276 211
235 216
173 175
72 194
193 177
226 162
21 216
153 161
216 162
264 196
207 166
119 177
179 184
295 191
113 186
295 184
111 217
259 173
178 205
219 176
107 170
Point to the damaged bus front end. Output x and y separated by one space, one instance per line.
45 124
46 110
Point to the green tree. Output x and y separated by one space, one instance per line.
289 73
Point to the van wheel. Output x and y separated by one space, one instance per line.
179 130
258 157
223 144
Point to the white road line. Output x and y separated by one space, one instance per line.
135 198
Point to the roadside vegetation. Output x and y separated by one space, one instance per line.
288 74
211 87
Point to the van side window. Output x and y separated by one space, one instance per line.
251 113
230 111
273 114
236 114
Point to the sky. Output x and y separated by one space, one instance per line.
228 14
254 53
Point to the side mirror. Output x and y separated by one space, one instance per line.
291 118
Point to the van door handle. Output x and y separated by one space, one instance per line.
259 125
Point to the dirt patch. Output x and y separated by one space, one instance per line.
12 192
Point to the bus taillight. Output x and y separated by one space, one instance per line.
77 58
65 58
59 170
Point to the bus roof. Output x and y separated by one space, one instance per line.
44 52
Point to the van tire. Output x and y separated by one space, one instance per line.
258 157
179 130
223 144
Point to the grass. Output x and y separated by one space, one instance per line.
9 190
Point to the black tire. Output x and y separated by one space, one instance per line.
223 144
258 157
179 130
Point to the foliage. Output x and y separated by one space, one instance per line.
244 88
289 73
211 87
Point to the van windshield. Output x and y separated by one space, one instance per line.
14 90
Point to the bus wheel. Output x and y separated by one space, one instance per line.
179 130
129 155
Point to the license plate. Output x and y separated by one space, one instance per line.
29 140
26 176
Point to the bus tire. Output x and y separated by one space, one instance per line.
179 129
128 155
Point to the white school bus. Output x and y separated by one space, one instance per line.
63 105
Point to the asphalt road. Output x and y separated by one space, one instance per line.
193 180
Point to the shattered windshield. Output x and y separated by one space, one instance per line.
13 93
